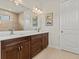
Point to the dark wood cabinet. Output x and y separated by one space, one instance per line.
25 50
18 48
23 47
45 40
36 44
10 52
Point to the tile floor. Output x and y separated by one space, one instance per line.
50 53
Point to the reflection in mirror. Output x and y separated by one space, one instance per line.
35 22
16 17
8 20
4 18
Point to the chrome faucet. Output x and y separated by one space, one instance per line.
39 29
11 31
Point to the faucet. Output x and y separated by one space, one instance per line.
11 31
39 29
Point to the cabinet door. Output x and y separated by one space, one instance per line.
36 44
45 40
25 50
10 52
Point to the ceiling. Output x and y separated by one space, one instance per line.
44 5
7 5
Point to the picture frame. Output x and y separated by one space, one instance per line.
49 19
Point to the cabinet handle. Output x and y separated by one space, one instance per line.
19 48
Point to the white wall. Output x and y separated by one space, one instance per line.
52 6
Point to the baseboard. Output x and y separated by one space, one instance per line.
70 51
55 47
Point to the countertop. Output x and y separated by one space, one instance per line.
8 36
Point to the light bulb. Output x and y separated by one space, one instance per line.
36 9
16 2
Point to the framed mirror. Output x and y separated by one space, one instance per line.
14 16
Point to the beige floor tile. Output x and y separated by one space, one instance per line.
50 53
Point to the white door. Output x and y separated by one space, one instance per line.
69 26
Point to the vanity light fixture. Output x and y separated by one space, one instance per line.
37 11
17 2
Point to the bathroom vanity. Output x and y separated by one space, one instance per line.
23 46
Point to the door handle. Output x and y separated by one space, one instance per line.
62 31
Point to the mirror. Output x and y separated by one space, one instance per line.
16 17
